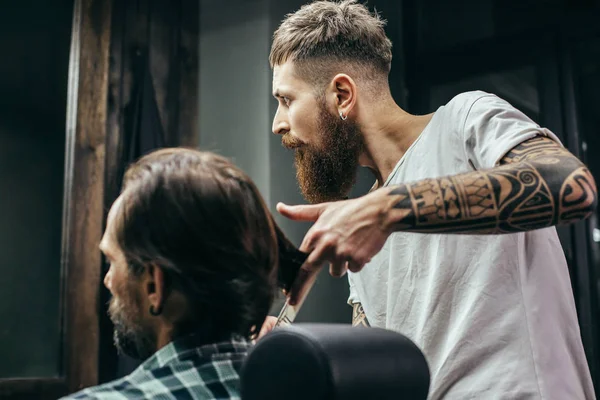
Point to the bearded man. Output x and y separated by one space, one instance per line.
492 308
193 253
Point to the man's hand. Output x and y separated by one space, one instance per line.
267 326
347 234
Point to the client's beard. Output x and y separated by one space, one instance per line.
130 336
328 172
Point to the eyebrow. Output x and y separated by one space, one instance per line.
281 92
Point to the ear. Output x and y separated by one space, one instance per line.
345 92
155 286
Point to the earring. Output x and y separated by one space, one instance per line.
155 312
342 116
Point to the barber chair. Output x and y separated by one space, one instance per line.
334 362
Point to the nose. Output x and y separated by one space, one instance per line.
280 123
108 279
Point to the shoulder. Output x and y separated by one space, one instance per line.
463 103
219 377
210 372
195 378
470 98
169 382
454 114
481 110
140 384
112 390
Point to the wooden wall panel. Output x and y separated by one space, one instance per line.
84 189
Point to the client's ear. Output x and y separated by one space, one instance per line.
155 288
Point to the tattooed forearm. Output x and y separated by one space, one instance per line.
358 315
538 184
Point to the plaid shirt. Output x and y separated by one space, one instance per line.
180 370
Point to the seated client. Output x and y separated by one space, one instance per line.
193 269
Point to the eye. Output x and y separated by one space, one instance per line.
287 101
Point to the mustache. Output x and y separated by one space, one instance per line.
291 142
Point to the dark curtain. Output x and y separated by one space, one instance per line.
143 133
143 127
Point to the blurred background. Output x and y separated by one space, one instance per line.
89 85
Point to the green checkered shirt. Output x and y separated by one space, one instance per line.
180 370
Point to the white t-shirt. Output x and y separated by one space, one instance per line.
493 314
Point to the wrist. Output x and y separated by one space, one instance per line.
394 208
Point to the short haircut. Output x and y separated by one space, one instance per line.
325 33
203 221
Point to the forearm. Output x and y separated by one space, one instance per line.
535 189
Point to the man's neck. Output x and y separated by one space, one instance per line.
164 336
388 132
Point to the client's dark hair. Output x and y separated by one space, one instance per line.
203 221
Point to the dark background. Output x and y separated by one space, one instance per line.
34 48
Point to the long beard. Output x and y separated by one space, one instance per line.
130 336
328 172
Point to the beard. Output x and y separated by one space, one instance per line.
327 172
131 337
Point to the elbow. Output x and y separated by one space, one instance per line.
592 193
584 193
577 197
593 201
589 206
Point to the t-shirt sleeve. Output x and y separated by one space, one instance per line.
493 127
353 297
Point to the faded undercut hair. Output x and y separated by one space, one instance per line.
323 35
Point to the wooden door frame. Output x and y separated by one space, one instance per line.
84 190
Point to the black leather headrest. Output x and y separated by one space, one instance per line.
334 362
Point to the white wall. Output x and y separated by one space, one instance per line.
235 84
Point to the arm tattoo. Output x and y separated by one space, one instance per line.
358 315
538 184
